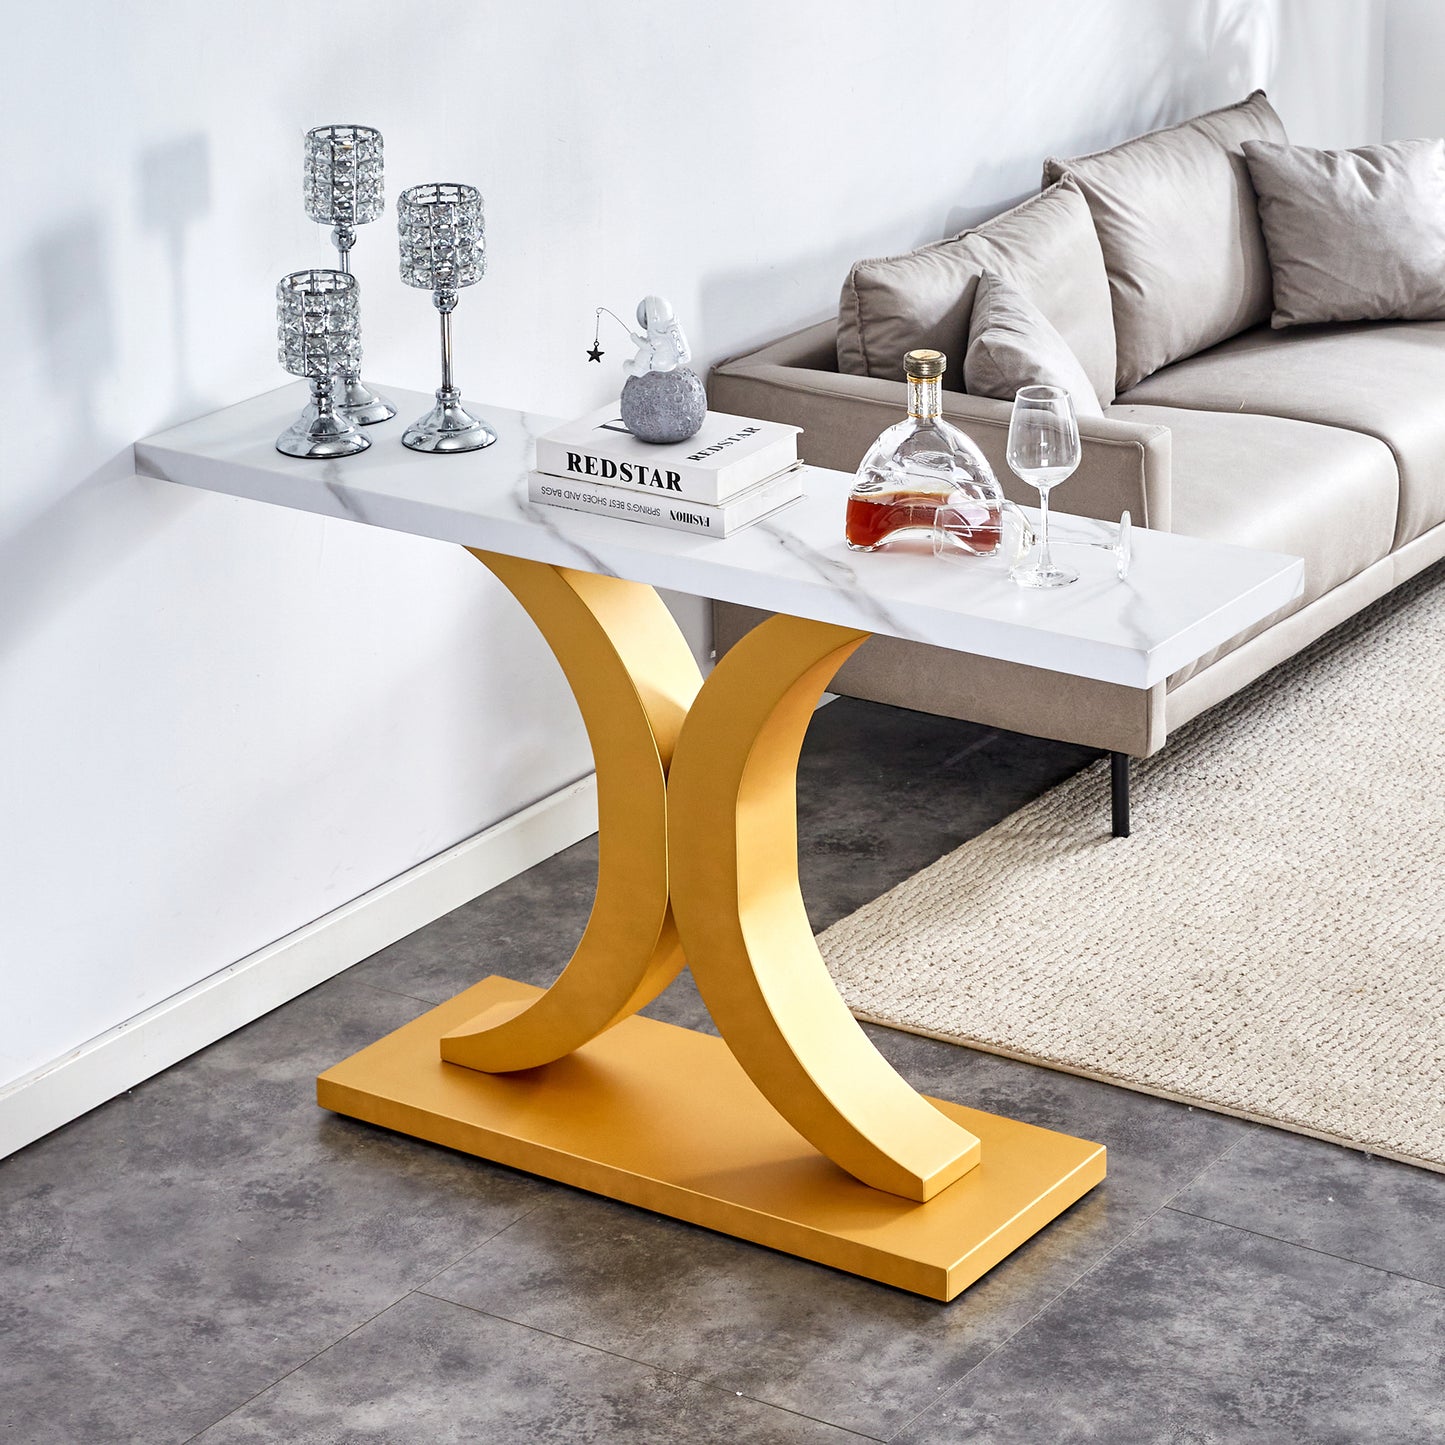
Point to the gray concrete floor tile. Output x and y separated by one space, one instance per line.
524 929
857 1354
883 792
798 1335
1372 1211
197 1242
175 1251
428 1371
1196 1333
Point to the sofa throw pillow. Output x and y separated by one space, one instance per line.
1045 246
1354 235
1011 343
893 304
1176 218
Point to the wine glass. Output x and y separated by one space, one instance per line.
1019 538
1043 450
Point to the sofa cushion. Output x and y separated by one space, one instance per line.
1281 485
1045 246
1176 218
1011 343
1385 379
1353 235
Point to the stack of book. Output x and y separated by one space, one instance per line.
733 473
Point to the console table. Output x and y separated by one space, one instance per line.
790 1130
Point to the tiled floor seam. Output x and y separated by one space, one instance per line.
467 1253
1073 1284
390 992
286 1374
364 1323
648 1365
1308 1248
978 745
1203 1168
1043 1309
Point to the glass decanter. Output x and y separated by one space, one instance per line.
919 466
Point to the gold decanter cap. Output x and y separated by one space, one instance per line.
925 365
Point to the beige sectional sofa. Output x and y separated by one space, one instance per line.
1325 441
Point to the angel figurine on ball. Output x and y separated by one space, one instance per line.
663 398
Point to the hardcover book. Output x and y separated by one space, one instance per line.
729 454
658 509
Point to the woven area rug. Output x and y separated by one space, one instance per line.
1271 941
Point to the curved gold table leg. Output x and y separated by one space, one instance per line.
634 679
696 795
733 854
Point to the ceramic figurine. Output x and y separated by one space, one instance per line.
662 346
663 400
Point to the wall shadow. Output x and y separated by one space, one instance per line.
175 192
747 306
86 518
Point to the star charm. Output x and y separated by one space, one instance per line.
595 354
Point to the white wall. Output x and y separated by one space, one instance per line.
218 720
1414 54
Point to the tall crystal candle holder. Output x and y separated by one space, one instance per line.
443 247
343 188
318 334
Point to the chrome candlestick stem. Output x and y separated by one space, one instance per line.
343 189
449 422
445 302
343 238
443 247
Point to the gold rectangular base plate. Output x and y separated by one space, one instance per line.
664 1117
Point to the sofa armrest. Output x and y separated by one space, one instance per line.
815 348
1125 464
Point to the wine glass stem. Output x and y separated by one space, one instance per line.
1046 562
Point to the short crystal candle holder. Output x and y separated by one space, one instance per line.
343 189
443 248
318 334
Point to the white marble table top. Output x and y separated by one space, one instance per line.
1183 596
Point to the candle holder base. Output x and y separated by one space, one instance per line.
314 435
359 404
448 427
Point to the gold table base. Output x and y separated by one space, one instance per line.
795 1132
664 1117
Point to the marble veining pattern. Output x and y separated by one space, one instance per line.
1183 598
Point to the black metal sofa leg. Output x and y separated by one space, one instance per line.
1119 792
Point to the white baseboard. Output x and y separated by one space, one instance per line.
163 1035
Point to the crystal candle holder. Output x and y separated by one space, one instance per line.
343 189
443 248
318 334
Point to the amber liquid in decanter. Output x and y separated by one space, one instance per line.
923 475
872 518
